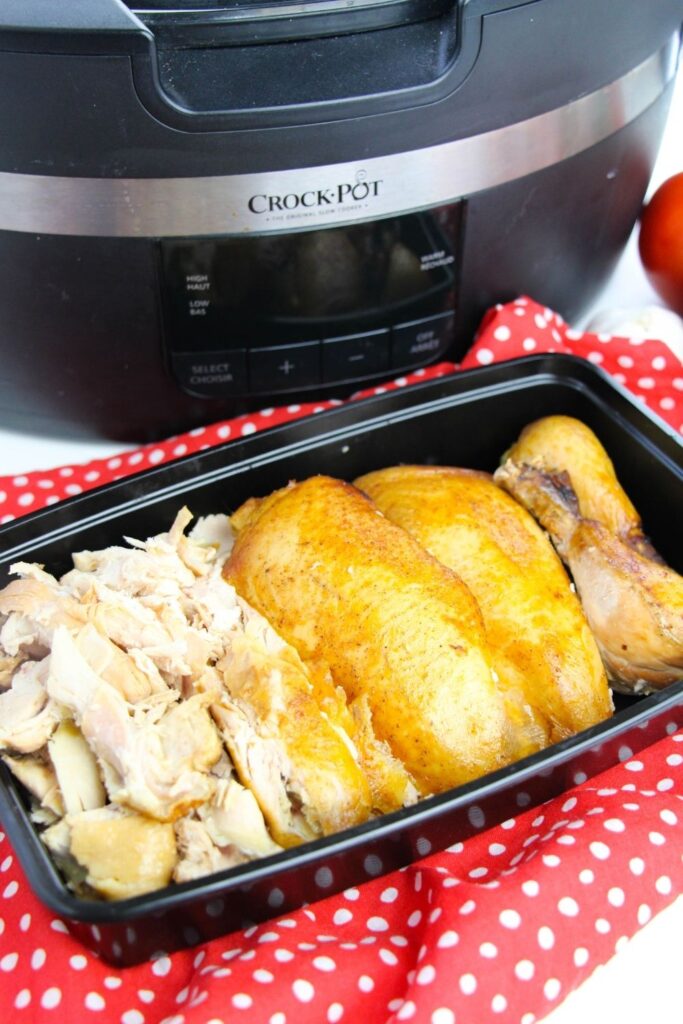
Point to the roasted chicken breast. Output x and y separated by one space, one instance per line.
355 592
633 602
544 653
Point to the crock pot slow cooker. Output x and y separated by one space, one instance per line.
207 208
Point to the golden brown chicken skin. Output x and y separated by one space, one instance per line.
545 654
299 767
563 444
352 590
633 602
391 785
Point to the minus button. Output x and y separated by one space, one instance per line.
355 356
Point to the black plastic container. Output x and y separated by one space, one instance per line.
467 420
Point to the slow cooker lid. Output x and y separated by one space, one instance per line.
263 8
173 6
175 22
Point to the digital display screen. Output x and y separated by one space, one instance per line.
253 290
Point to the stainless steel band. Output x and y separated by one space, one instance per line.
314 197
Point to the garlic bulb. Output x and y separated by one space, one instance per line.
640 324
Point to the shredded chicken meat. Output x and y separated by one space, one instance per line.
143 704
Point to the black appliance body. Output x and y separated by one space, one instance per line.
208 208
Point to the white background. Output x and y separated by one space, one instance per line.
644 982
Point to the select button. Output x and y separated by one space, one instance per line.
355 356
421 341
212 374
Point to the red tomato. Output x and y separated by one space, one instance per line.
661 241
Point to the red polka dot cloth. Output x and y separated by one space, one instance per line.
499 928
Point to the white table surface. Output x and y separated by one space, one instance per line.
643 982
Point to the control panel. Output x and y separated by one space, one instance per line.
293 312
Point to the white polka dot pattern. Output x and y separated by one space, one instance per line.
451 945
499 927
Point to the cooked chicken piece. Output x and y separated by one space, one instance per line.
229 830
34 608
9 663
40 780
124 854
544 653
263 768
215 607
115 666
36 605
562 444
161 761
149 567
35 571
215 532
234 818
634 605
19 635
209 541
163 597
201 625
199 855
132 626
301 771
57 838
144 664
160 602
161 566
43 817
391 786
191 647
27 716
223 769
76 769
352 590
